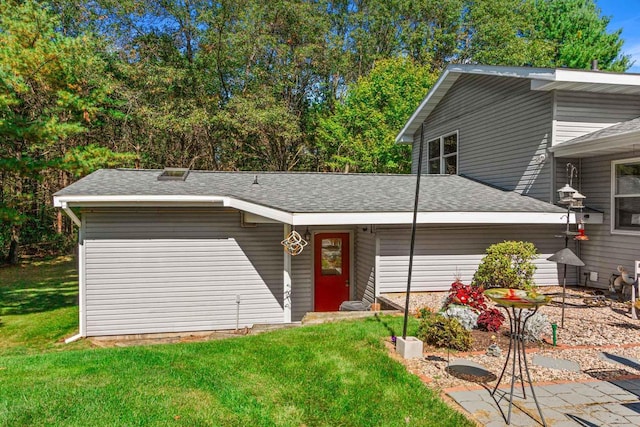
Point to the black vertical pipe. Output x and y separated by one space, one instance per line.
413 233
564 274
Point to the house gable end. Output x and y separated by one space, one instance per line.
504 131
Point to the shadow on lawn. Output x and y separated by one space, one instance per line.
48 292
389 328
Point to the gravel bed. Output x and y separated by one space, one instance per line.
588 332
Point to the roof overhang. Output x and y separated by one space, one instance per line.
313 218
435 94
542 79
588 81
622 143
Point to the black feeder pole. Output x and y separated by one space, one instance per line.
413 233
567 257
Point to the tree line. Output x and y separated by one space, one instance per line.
243 84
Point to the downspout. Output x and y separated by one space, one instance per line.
81 292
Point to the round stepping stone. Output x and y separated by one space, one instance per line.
470 371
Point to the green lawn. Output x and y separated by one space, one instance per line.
38 306
326 375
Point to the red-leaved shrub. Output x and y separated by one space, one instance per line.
490 320
468 295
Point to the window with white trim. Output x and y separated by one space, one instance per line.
442 155
625 204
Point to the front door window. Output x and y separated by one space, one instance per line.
331 257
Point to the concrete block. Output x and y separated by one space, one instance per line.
409 348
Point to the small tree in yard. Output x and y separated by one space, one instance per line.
507 265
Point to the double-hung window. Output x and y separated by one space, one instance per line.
442 155
625 196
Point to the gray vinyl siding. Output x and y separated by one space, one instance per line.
604 251
503 129
365 265
441 254
302 283
580 113
171 270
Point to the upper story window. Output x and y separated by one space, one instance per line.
442 155
625 196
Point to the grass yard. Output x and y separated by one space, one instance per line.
326 375
38 306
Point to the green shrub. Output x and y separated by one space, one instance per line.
536 327
507 265
439 331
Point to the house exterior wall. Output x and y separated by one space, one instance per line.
302 283
580 113
605 250
365 264
503 128
173 270
441 253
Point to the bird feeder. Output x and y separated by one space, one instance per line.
566 195
577 200
581 235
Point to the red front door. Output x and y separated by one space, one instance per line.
331 270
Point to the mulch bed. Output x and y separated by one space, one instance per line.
590 330
481 340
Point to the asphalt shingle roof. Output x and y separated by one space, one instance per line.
615 130
301 192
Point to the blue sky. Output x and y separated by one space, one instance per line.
625 14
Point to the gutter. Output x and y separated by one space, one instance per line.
312 218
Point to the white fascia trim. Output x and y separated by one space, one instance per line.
406 134
173 200
260 210
58 201
505 71
319 218
597 77
541 79
546 83
429 218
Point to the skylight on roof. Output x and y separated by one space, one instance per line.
173 174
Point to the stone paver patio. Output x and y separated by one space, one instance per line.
588 403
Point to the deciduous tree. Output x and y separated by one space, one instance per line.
360 136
